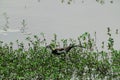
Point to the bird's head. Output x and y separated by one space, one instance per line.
72 45
50 47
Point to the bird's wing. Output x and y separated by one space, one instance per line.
59 49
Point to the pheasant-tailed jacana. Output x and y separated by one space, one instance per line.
59 51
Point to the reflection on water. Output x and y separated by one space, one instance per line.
9 30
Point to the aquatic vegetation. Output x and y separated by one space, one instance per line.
6 24
23 28
82 1
84 62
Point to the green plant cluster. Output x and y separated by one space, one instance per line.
38 63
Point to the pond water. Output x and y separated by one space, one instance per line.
51 16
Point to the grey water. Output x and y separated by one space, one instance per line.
52 16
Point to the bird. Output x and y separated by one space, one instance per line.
59 51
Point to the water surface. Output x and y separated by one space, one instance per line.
51 16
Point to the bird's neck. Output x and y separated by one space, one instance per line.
50 47
68 48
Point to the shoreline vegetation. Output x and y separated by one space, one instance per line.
80 63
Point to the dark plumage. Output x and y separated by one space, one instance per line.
59 51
